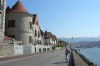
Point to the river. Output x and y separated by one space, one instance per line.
93 54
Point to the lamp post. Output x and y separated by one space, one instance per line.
72 43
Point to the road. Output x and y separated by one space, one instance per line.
56 58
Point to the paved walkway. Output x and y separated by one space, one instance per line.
56 58
17 56
78 60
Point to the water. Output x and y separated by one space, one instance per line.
93 54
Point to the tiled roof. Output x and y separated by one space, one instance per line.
7 38
8 9
35 19
54 37
47 34
18 7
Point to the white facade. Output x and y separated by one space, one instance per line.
37 38
22 29
2 18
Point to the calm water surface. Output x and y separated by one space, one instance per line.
93 54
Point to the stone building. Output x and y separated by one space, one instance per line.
54 40
47 38
23 26
50 39
36 31
2 18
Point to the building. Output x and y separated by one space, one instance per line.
62 43
23 26
54 40
19 23
2 18
36 31
47 38
50 39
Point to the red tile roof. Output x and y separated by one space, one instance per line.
47 34
7 38
35 19
18 7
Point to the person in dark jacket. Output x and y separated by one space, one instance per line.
67 53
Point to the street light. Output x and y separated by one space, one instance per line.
72 43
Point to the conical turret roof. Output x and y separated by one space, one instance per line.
18 7
8 9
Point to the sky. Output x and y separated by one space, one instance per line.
66 18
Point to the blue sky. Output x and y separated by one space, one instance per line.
66 18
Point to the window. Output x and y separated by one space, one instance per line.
30 39
35 33
38 34
39 49
11 23
43 49
30 24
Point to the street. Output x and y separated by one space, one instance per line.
56 58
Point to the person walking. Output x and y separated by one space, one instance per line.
67 53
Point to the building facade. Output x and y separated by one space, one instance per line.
50 39
36 31
19 24
2 18
23 26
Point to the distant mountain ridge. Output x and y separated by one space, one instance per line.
79 39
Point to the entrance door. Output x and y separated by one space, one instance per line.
35 49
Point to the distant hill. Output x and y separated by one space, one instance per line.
79 39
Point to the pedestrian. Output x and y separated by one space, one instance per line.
67 53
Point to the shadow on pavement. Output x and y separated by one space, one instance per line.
58 63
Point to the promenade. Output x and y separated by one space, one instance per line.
77 60
56 58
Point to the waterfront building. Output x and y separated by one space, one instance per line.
54 40
19 23
2 18
47 38
37 37
50 39
61 43
23 26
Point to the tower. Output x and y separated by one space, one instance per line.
19 23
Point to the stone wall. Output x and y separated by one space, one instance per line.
6 50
